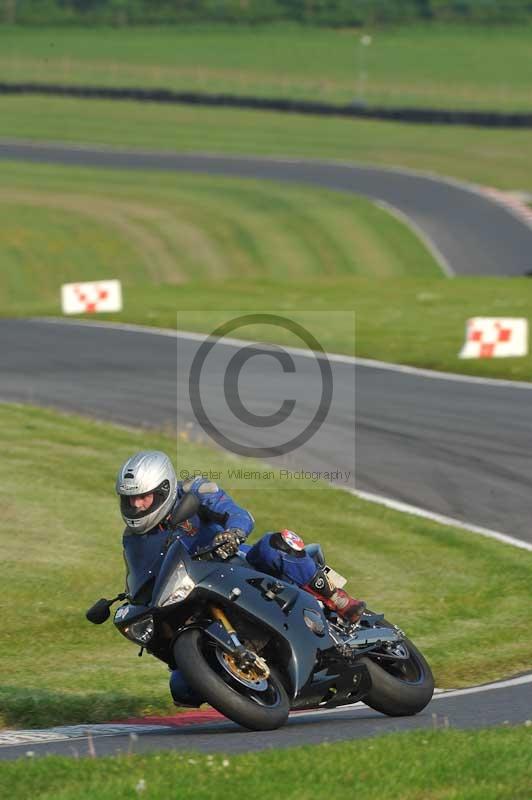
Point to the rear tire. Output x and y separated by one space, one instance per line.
395 694
258 711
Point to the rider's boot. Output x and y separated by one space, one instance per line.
347 607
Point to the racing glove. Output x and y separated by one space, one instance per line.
226 543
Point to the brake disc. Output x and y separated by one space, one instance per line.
254 677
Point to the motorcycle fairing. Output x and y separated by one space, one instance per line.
335 686
277 604
285 619
128 613
301 645
144 555
151 557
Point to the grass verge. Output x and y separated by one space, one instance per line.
501 158
61 550
181 242
63 224
416 322
489 764
461 66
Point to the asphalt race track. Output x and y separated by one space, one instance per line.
508 703
450 446
469 233
455 446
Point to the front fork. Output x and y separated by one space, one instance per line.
219 615
244 658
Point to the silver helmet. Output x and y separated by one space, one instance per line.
147 472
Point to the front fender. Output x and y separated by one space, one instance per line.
214 630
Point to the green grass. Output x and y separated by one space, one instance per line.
492 764
61 225
449 66
501 158
61 550
415 322
66 552
198 244
208 246
418 322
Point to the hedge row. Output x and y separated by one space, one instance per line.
436 116
315 12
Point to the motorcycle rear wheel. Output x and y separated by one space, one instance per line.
196 657
402 688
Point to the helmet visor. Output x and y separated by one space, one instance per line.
137 506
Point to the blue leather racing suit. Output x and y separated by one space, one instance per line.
218 512
290 565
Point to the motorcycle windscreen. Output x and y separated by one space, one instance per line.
144 555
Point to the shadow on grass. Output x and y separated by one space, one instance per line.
42 708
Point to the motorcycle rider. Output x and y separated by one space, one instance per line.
149 495
149 492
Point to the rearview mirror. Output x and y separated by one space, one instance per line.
99 612
188 506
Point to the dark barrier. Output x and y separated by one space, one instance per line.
435 116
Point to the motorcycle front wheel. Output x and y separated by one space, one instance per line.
399 687
260 705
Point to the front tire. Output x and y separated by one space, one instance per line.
197 658
400 688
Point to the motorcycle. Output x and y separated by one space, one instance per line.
255 647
